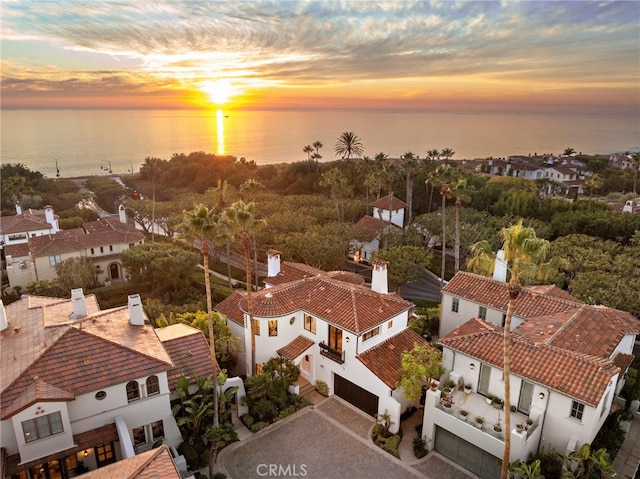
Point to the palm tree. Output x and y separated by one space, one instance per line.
339 189
348 145
308 150
317 156
151 164
447 154
461 192
242 225
527 259
410 165
443 177
593 183
203 224
429 163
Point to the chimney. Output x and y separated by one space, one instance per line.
379 276
500 267
273 263
3 317
48 214
136 314
79 304
18 209
122 214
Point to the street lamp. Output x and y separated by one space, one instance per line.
104 168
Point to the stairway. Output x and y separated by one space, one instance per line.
305 387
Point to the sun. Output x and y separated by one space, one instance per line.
219 92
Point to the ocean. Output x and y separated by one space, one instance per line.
89 142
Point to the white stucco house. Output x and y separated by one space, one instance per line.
568 363
102 241
388 214
85 387
334 328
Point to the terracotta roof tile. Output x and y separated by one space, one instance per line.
577 375
495 294
17 250
292 272
20 224
230 307
295 348
373 226
99 435
152 464
385 359
189 351
349 306
383 203
38 391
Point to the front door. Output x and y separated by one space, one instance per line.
114 272
105 454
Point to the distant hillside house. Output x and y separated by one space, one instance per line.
102 241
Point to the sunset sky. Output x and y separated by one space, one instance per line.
575 56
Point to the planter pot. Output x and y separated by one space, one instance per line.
488 400
463 418
497 432
498 405
467 390
447 408
519 427
479 425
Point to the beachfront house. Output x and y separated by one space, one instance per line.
334 328
568 363
102 241
82 388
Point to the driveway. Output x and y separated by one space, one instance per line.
324 441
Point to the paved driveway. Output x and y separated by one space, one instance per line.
325 441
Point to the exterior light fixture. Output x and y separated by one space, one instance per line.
86 452
541 395
472 366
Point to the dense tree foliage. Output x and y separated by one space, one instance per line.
406 264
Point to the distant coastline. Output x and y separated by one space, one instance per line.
83 141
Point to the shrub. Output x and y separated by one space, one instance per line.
259 425
219 475
322 387
390 444
247 420
419 447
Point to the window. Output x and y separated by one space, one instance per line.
153 385
335 338
577 410
111 248
42 426
273 327
455 305
100 395
101 249
389 324
482 313
157 429
54 260
139 436
371 333
310 323
93 251
133 391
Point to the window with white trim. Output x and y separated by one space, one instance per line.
455 305
371 333
482 313
42 426
577 410
153 386
310 323
133 391
54 260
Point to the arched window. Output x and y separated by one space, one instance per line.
153 385
133 391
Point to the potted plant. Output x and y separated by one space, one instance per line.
520 427
434 385
489 398
467 388
448 387
463 414
529 423
447 404
498 403
479 420
497 428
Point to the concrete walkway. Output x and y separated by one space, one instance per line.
628 457
408 427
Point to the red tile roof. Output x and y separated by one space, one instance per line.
153 464
373 225
295 348
230 307
38 391
383 203
189 351
17 250
495 294
385 359
30 221
348 306
292 272
581 376
74 355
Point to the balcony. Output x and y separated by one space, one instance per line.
334 355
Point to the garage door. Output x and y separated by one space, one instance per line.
354 394
467 455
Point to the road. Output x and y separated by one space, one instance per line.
427 287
